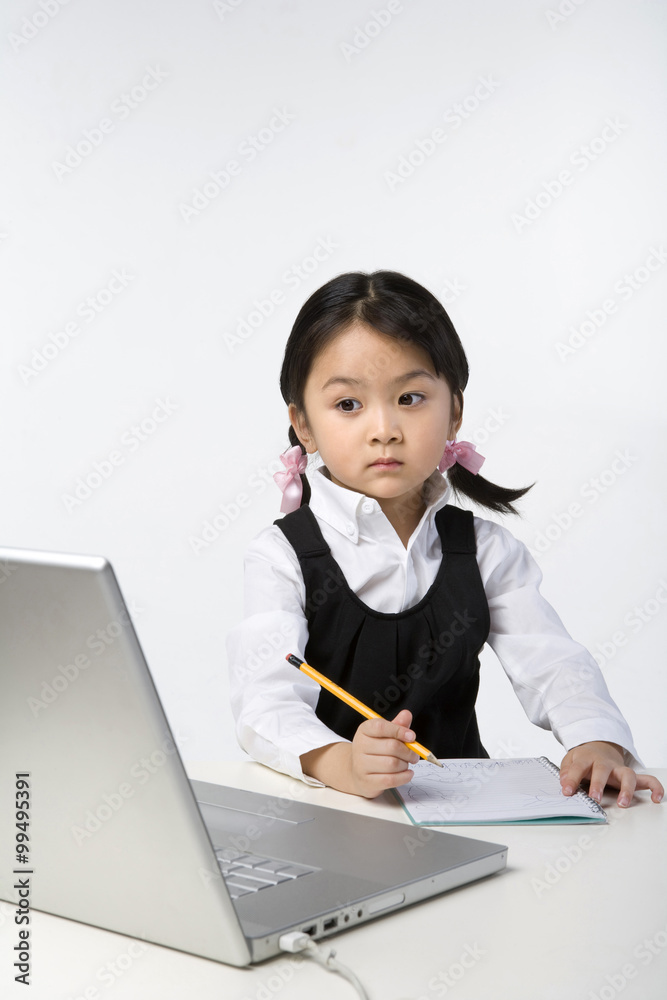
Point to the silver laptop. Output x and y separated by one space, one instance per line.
109 830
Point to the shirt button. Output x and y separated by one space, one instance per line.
368 506
349 527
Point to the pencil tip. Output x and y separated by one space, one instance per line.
434 760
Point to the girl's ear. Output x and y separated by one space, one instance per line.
301 429
457 414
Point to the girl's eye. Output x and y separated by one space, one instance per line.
410 398
348 405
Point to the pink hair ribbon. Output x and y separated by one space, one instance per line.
464 453
295 463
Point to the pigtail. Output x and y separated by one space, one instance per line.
305 496
482 492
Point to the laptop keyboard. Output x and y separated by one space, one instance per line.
246 873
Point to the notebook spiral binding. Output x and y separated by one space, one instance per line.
591 803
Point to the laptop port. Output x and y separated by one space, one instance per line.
330 924
311 931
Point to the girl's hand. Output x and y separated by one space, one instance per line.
602 763
376 759
379 757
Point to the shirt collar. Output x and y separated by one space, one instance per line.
348 511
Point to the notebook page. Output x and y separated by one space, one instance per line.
483 791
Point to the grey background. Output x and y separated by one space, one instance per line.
117 113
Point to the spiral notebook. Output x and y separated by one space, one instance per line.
474 792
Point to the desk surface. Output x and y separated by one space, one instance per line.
579 914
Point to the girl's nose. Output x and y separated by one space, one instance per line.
384 427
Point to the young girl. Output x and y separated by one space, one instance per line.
381 584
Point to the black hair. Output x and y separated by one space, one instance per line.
398 307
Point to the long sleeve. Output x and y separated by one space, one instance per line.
273 702
557 681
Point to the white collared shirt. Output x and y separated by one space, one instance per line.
556 679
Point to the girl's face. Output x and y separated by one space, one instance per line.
377 413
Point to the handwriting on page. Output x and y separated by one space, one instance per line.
488 790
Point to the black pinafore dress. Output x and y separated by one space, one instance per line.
425 658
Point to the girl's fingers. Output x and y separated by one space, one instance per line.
599 775
386 765
388 749
623 778
627 789
404 718
627 781
378 783
380 755
650 781
570 778
381 729
377 737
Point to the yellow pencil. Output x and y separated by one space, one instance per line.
353 702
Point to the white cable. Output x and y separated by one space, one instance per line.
298 942
330 962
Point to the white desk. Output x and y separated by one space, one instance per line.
580 913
